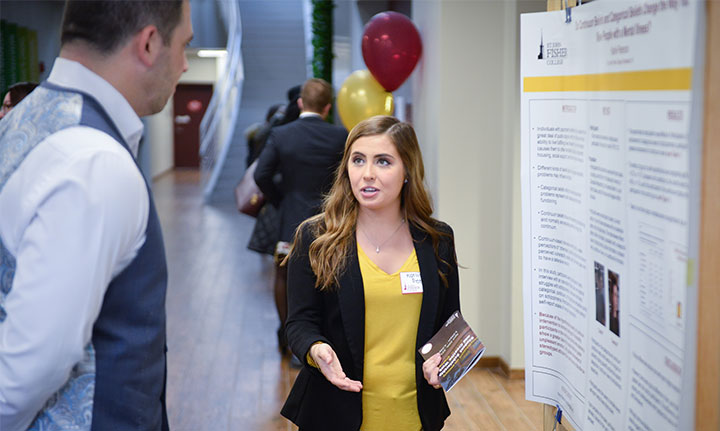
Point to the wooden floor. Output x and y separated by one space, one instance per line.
224 369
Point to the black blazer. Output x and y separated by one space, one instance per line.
306 153
337 317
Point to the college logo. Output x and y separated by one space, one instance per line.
553 54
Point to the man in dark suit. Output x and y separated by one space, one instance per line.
306 154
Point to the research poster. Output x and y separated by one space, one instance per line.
608 135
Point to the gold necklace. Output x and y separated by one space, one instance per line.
377 247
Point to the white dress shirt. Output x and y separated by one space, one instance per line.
74 216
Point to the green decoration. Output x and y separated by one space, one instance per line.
23 54
18 55
3 66
10 54
322 39
34 62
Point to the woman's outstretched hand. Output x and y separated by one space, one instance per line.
326 359
431 370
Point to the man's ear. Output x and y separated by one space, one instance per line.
147 44
300 104
326 110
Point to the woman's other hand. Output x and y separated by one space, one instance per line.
431 370
326 359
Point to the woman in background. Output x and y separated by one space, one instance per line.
370 280
14 95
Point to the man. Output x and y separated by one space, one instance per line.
306 153
82 265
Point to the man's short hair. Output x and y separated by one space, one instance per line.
316 94
106 25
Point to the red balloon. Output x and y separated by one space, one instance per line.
391 47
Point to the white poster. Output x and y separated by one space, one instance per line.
607 138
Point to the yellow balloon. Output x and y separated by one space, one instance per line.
362 97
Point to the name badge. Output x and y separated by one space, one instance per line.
410 282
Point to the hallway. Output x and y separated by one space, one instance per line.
224 369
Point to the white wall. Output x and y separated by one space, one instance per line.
159 139
159 127
427 19
466 114
201 70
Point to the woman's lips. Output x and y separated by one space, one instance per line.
368 192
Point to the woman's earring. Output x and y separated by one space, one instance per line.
405 180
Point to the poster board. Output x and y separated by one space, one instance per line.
611 144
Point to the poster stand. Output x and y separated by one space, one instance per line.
707 387
550 420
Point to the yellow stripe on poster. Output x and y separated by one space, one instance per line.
644 80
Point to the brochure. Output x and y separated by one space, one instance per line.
459 348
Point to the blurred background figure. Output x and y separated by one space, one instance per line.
256 135
15 94
292 111
266 231
305 153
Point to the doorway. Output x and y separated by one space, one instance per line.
189 105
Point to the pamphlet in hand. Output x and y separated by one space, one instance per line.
459 348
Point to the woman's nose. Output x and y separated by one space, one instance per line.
368 172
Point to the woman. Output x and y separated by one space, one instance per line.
358 312
14 95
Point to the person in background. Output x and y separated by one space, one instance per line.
292 110
370 280
266 231
256 135
305 153
14 95
83 274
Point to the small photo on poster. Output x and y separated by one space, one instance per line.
600 293
614 294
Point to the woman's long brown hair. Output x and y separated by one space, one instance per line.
334 228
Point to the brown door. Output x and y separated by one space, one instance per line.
189 105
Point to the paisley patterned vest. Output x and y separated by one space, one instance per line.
120 383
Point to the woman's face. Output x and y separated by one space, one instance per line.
376 172
6 106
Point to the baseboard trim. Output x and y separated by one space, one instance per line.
498 362
162 174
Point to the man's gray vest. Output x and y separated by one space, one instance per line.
120 384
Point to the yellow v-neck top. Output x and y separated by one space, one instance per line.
389 394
